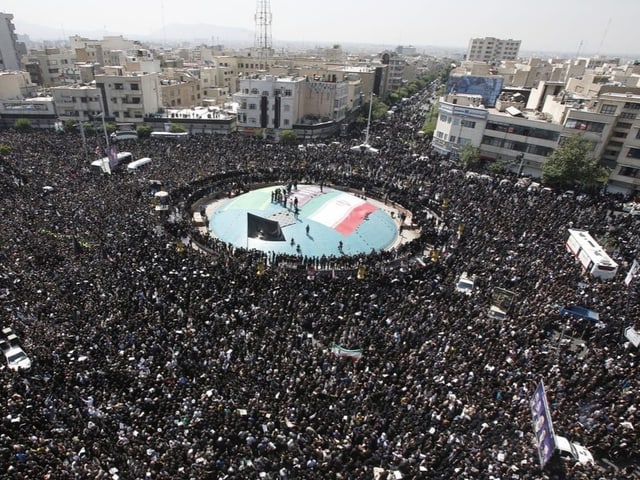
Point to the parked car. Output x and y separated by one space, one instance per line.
16 357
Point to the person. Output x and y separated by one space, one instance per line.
307 229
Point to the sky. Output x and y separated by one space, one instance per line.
572 26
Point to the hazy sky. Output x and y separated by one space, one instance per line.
609 27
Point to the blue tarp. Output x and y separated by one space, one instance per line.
580 312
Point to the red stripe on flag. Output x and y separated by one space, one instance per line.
354 218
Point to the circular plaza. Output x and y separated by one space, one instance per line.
309 220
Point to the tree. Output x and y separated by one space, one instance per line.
289 137
5 149
430 123
175 128
470 156
69 125
143 131
572 164
22 124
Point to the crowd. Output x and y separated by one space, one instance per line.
155 361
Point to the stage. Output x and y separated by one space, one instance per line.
328 221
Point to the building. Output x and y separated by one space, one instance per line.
180 88
520 140
129 97
198 120
268 102
40 111
52 66
492 50
9 46
78 102
16 85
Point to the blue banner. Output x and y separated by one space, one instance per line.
542 426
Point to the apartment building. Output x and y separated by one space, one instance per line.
129 97
52 66
180 89
10 48
16 85
268 102
621 150
521 140
491 49
78 102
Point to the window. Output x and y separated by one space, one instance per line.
118 86
252 106
452 139
243 105
632 106
638 133
634 153
629 172
265 93
608 109
286 121
629 115
623 125
620 134
288 93
287 108
585 125
468 123
443 118
135 86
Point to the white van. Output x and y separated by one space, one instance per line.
136 164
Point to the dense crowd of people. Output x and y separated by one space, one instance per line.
155 361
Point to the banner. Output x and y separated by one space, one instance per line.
632 273
264 229
345 352
542 426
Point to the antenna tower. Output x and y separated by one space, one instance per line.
263 32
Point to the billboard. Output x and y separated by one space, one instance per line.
488 87
542 426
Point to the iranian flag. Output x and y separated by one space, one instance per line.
346 353
344 213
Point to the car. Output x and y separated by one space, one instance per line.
573 451
14 354
465 284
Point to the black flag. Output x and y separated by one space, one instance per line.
264 229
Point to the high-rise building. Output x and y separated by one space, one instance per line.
490 49
9 58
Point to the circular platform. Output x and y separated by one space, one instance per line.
326 219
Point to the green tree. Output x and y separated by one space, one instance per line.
22 124
143 131
430 123
572 164
289 137
111 127
498 167
89 128
69 125
470 156
5 149
175 128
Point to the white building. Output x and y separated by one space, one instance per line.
129 97
9 52
77 102
268 102
491 50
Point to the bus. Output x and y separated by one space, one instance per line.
170 135
136 164
591 255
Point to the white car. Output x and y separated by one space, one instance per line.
13 353
573 451
465 284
